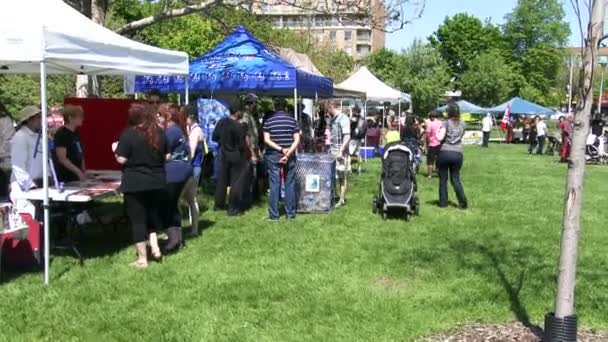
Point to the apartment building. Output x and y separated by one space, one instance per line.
336 30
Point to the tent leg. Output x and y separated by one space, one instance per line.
365 138
45 169
187 90
295 103
399 109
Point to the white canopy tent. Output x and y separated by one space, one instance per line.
364 81
49 36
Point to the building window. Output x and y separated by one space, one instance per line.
349 51
332 36
364 36
348 35
363 50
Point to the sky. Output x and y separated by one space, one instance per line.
436 11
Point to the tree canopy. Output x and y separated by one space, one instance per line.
418 70
463 37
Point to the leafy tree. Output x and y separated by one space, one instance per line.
463 37
537 33
383 64
489 80
335 64
417 70
424 74
18 91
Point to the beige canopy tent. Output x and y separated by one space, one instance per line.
302 61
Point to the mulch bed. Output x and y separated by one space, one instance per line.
515 332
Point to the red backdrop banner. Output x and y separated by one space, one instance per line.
104 120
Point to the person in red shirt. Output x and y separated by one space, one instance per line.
566 125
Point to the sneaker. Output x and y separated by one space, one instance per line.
268 219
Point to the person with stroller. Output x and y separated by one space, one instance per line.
450 157
410 136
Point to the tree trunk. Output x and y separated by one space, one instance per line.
87 85
564 302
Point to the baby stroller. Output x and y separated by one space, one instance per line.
398 182
595 152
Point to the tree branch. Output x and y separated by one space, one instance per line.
167 14
393 16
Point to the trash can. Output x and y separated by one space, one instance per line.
316 182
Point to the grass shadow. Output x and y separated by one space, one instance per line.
498 259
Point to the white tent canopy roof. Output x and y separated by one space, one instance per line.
32 31
364 81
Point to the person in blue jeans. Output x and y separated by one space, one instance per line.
282 137
451 158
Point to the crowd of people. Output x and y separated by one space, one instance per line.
162 153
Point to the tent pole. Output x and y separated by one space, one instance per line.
187 90
365 138
399 109
295 103
45 169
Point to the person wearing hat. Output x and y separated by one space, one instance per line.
7 130
26 151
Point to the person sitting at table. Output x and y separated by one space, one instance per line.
142 151
26 152
68 155
178 170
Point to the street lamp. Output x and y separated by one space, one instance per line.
603 63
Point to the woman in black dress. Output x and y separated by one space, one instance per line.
142 151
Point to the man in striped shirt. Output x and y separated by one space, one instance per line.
282 137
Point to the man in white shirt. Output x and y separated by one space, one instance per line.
486 128
340 141
541 134
26 152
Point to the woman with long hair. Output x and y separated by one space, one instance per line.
178 170
450 157
142 151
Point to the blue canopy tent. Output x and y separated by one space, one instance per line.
466 107
239 64
522 107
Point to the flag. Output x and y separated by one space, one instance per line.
506 119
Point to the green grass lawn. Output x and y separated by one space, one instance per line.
347 276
